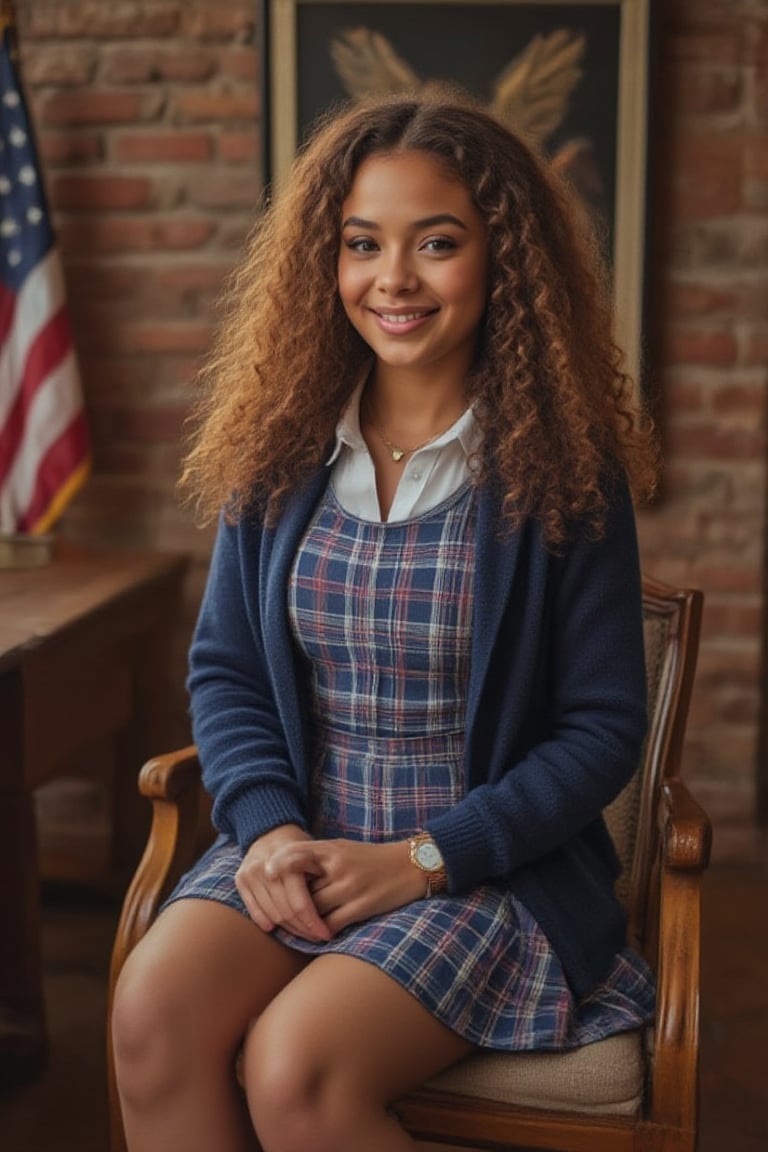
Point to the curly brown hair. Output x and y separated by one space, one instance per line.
560 415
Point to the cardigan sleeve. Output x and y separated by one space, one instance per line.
236 724
563 711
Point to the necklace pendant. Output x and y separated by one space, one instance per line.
397 454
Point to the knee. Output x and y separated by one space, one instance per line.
292 1098
149 1035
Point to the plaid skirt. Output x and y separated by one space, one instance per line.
479 962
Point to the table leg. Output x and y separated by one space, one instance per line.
23 1039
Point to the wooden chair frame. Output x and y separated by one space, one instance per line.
670 856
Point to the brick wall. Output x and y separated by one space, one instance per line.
711 289
148 121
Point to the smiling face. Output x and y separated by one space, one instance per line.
413 266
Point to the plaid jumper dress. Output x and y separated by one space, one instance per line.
382 614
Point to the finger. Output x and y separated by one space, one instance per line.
291 908
341 917
255 911
326 899
304 916
299 857
258 898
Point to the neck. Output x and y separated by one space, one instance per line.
407 428
414 410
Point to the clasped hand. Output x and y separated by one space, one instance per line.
314 888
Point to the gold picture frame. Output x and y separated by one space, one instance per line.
316 53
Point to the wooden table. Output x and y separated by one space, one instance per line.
83 658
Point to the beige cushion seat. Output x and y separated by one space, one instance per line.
606 1077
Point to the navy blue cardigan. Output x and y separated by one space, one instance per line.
555 719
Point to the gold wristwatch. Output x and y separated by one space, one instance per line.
425 855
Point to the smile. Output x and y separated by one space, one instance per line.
401 317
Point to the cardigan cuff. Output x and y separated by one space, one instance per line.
257 811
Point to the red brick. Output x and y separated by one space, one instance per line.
710 176
60 148
121 376
186 370
125 234
708 91
755 249
139 465
240 64
192 279
688 299
725 577
216 106
150 424
733 398
756 172
715 442
70 66
192 66
714 245
163 147
136 65
152 337
722 659
698 35
100 21
113 192
684 395
757 349
233 21
752 301
226 189
93 106
93 280
756 41
716 348
734 618
239 147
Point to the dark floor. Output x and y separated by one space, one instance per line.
66 1110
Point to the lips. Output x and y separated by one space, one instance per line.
400 317
402 322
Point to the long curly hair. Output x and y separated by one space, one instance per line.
559 413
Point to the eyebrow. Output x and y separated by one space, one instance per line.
426 222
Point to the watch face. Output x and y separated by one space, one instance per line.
428 856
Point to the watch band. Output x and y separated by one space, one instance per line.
425 855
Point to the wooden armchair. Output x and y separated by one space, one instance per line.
636 1091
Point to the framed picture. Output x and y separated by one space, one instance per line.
574 75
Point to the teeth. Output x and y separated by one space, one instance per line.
400 317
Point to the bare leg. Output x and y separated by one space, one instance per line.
332 1051
182 1005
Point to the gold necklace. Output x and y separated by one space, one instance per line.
399 454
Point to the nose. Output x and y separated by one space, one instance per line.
396 274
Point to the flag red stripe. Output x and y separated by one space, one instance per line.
46 352
64 456
7 311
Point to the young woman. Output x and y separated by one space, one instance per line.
417 676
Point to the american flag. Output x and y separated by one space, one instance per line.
44 449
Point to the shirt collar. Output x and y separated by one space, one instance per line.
466 430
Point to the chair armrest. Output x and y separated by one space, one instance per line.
684 855
169 776
171 782
687 832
